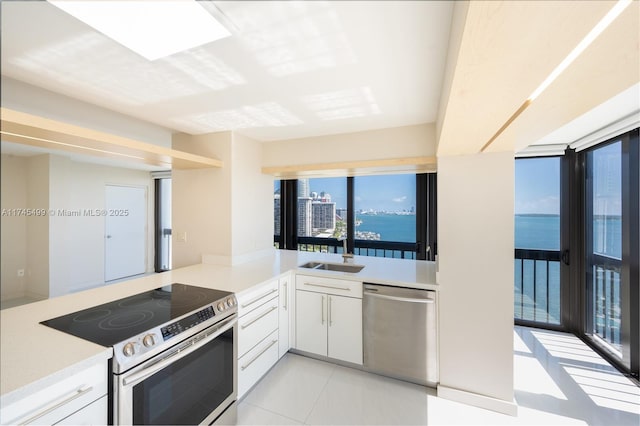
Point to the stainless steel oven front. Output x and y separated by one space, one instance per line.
193 382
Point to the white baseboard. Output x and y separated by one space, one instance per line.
477 400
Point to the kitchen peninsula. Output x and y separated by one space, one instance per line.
31 365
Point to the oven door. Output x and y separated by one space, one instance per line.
191 383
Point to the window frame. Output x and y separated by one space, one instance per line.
425 247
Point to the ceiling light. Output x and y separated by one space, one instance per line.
615 11
70 145
589 38
153 29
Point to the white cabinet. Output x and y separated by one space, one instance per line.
257 362
73 396
258 333
254 326
311 325
345 328
93 414
328 323
286 319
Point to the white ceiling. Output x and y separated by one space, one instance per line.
290 69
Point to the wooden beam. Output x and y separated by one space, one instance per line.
355 168
27 129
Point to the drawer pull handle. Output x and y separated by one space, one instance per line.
55 405
255 299
273 308
286 296
258 355
328 286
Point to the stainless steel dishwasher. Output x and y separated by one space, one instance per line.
400 333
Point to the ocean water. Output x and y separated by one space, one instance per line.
537 283
542 232
391 227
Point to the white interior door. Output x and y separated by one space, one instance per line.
125 231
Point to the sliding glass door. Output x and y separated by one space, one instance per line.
611 259
604 244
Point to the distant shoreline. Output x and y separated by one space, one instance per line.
614 217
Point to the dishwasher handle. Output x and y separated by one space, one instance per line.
397 298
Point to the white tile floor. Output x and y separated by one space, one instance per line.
558 380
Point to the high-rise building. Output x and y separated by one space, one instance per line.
303 188
324 215
276 214
304 217
342 213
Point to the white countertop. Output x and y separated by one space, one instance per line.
32 355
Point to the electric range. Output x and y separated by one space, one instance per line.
174 352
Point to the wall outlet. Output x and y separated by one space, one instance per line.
21 272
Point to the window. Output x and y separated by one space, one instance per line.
163 224
385 208
537 240
604 243
387 216
276 213
580 272
322 208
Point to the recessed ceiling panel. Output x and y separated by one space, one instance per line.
288 70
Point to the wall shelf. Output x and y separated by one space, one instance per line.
355 168
27 129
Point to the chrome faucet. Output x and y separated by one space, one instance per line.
345 255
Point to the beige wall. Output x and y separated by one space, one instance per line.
38 227
77 242
14 228
37 101
252 214
226 213
60 254
201 201
475 251
397 142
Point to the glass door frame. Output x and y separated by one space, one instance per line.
574 290
629 269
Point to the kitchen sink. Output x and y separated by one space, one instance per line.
327 266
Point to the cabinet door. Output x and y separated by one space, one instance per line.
284 313
345 328
311 322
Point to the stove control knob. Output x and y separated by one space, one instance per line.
230 301
148 340
128 349
221 306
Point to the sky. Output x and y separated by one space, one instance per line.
538 183
385 192
538 186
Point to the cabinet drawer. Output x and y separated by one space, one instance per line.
250 300
93 414
255 363
329 286
59 400
256 325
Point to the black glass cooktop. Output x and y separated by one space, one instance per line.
117 321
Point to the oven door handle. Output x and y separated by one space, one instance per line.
184 349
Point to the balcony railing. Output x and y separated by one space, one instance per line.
537 286
397 250
606 298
